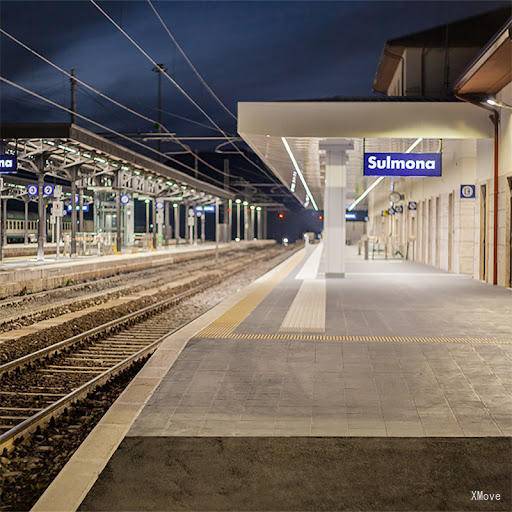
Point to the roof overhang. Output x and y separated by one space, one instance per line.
440 120
85 140
388 64
289 135
491 70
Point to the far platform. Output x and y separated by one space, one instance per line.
27 274
300 391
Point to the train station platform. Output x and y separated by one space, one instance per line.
387 390
27 275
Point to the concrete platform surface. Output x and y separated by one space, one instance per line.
404 364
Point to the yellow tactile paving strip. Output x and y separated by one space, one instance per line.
225 326
230 335
230 320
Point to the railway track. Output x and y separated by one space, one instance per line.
41 385
15 309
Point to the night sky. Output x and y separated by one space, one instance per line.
245 51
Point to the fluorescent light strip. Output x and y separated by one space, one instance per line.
379 180
296 167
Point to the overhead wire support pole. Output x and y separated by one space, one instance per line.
108 98
129 139
176 84
158 69
189 62
72 103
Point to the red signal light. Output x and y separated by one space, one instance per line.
320 217
280 215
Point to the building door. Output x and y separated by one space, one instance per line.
510 234
450 232
438 233
483 232
429 233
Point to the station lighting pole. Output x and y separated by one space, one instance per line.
155 234
258 222
167 220
73 176
216 229
72 106
81 209
203 227
230 220
25 226
159 69
246 221
146 201
118 221
252 208
265 215
41 235
238 201
176 210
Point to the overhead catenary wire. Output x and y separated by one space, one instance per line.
177 85
189 62
118 104
92 121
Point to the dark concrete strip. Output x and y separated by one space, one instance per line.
269 314
304 474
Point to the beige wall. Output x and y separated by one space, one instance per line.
447 231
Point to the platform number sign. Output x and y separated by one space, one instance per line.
467 191
398 208
33 190
413 205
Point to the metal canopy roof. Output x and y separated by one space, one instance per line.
71 145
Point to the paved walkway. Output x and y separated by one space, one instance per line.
396 350
380 360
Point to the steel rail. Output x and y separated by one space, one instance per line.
10 438
103 328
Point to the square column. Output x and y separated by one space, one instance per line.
334 207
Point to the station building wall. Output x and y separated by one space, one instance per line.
446 231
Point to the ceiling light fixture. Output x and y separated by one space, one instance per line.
380 178
299 172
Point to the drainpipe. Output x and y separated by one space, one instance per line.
495 119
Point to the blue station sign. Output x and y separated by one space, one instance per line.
8 164
403 164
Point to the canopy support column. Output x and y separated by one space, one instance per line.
41 227
334 208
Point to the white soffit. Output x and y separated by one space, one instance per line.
360 119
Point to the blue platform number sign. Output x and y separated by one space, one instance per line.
125 199
467 191
8 164
403 164
33 189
